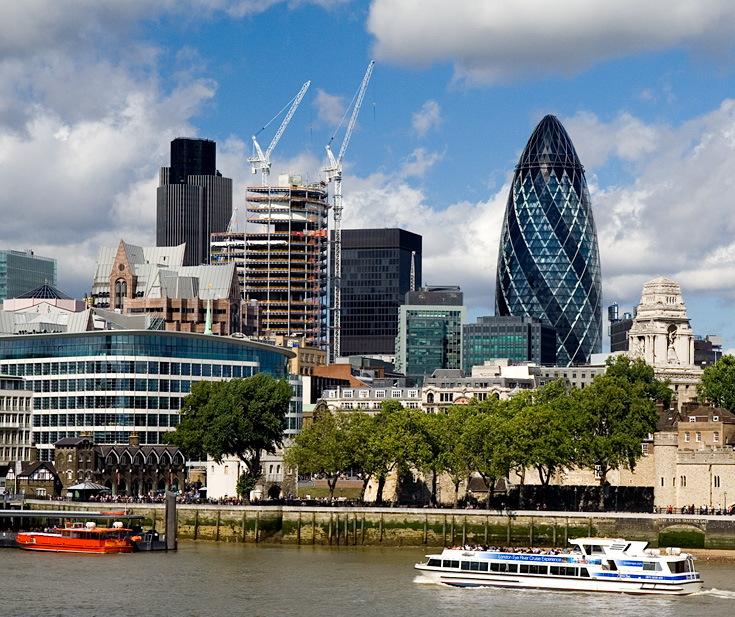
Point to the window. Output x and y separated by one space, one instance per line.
716 480
699 437
682 481
686 436
644 447
716 437
692 419
715 418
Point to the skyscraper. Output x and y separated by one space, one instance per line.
548 262
430 331
193 199
22 271
286 257
378 267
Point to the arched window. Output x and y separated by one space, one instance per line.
121 290
430 397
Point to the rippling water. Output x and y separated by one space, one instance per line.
222 580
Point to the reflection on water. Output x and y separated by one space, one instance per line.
203 579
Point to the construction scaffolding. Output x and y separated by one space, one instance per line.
286 250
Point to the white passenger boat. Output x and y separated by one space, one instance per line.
592 564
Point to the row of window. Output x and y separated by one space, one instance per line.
110 402
716 482
514 568
105 419
141 367
698 436
103 384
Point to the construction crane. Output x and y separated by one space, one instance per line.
334 172
264 160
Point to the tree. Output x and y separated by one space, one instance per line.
553 447
456 457
322 447
718 383
613 416
394 443
637 371
239 417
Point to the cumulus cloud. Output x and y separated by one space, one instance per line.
674 218
84 126
428 118
493 40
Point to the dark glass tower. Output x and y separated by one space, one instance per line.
377 266
193 199
549 263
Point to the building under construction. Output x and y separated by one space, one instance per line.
286 249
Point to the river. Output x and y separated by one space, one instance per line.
218 580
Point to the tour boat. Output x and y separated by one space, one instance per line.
592 564
78 538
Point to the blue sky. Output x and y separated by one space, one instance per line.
91 93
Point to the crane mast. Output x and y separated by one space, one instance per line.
334 172
264 159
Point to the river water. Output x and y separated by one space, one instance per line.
218 580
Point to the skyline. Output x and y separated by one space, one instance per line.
93 94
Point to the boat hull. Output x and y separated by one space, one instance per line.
55 543
515 581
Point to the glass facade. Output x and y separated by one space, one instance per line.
520 339
376 275
111 384
22 271
549 262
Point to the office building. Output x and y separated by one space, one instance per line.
430 331
193 199
135 280
15 420
619 328
548 262
379 266
22 271
519 339
286 258
108 384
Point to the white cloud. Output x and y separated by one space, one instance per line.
491 40
428 118
330 108
674 218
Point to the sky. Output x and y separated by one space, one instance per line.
92 92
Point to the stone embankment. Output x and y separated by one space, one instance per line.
358 526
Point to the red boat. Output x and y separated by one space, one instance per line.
77 538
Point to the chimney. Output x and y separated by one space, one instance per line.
33 453
134 440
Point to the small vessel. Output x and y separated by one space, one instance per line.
592 564
78 538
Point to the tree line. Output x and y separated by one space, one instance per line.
600 427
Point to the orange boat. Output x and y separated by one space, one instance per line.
78 538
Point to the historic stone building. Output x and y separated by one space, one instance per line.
123 469
661 335
695 458
33 479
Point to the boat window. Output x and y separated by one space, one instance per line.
534 569
524 568
466 565
483 566
584 573
594 549
451 563
434 562
611 565
652 566
679 567
513 567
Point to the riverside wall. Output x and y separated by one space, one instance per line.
358 526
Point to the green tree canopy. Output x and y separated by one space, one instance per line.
718 383
638 372
239 417
324 446
613 416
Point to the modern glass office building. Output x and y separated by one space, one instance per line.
548 262
22 271
379 266
112 383
520 339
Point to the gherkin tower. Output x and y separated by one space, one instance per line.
549 262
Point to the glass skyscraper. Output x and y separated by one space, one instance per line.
549 262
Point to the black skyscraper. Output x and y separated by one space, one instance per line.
376 274
194 199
